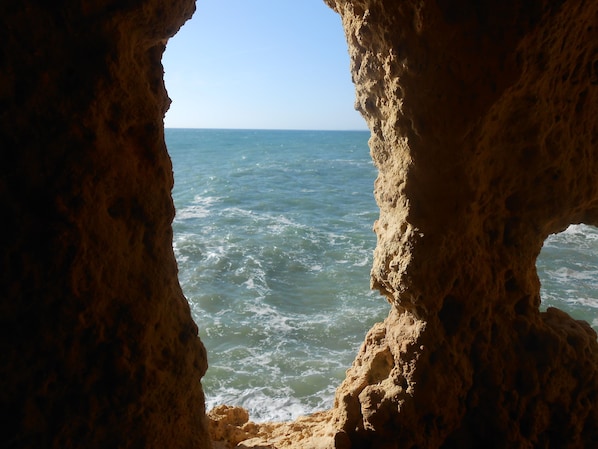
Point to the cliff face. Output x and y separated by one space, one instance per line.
98 346
483 120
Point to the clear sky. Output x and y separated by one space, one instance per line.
260 64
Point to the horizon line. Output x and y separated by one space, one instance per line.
267 129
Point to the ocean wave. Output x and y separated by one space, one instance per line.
200 207
566 275
270 319
567 268
577 236
273 256
583 230
266 405
570 298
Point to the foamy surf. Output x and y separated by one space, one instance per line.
274 244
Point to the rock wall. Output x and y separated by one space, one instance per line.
484 127
98 346
483 120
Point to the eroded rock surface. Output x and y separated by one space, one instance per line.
484 126
483 120
98 346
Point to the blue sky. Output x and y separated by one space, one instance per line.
260 64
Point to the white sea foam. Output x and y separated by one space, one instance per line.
269 317
588 302
177 243
581 230
199 208
262 405
567 275
578 237
365 261
278 279
567 268
278 224
215 255
281 317
258 284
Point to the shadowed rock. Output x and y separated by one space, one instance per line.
483 120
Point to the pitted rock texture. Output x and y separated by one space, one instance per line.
483 120
484 126
98 346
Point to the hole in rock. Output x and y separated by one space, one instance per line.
568 270
273 230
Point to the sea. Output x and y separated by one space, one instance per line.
273 239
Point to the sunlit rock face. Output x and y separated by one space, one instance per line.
98 346
484 127
483 119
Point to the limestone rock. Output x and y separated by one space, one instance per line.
226 425
483 120
230 428
98 346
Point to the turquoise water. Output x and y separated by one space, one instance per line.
274 244
273 236
568 271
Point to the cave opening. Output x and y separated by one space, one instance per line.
568 270
273 229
